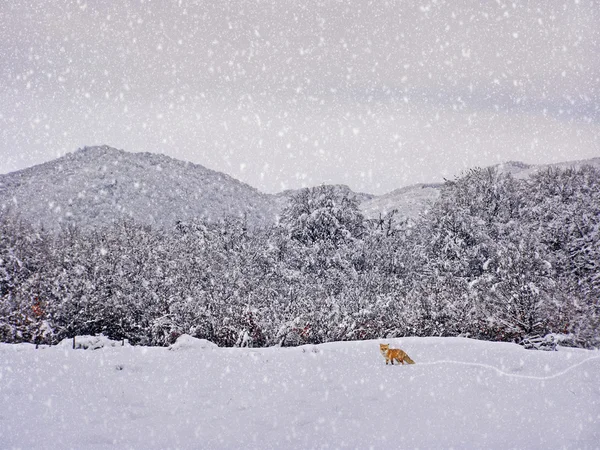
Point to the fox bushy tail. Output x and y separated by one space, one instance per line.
408 360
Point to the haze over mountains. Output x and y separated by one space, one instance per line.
96 186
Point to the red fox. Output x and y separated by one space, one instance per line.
391 354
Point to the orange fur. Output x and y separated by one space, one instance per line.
391 354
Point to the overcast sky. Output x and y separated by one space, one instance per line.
286 93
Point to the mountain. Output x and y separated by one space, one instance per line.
412 200
96 186
409 201
99 185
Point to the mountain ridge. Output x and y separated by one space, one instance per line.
107 185
98 185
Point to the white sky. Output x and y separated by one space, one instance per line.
283 94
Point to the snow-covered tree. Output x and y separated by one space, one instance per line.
323 214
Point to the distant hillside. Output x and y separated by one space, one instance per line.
96 186
410 201
99 185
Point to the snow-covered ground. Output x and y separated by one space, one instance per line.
460 393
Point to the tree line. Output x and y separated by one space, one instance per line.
494 258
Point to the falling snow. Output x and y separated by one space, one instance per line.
374 95
299 174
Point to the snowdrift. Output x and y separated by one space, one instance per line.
187 342
460 393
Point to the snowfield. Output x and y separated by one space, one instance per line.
461 393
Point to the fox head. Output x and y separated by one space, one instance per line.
384 347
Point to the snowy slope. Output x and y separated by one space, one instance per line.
98 185
412 200
409 201
460 393
95 186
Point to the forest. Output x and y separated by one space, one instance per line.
494 258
